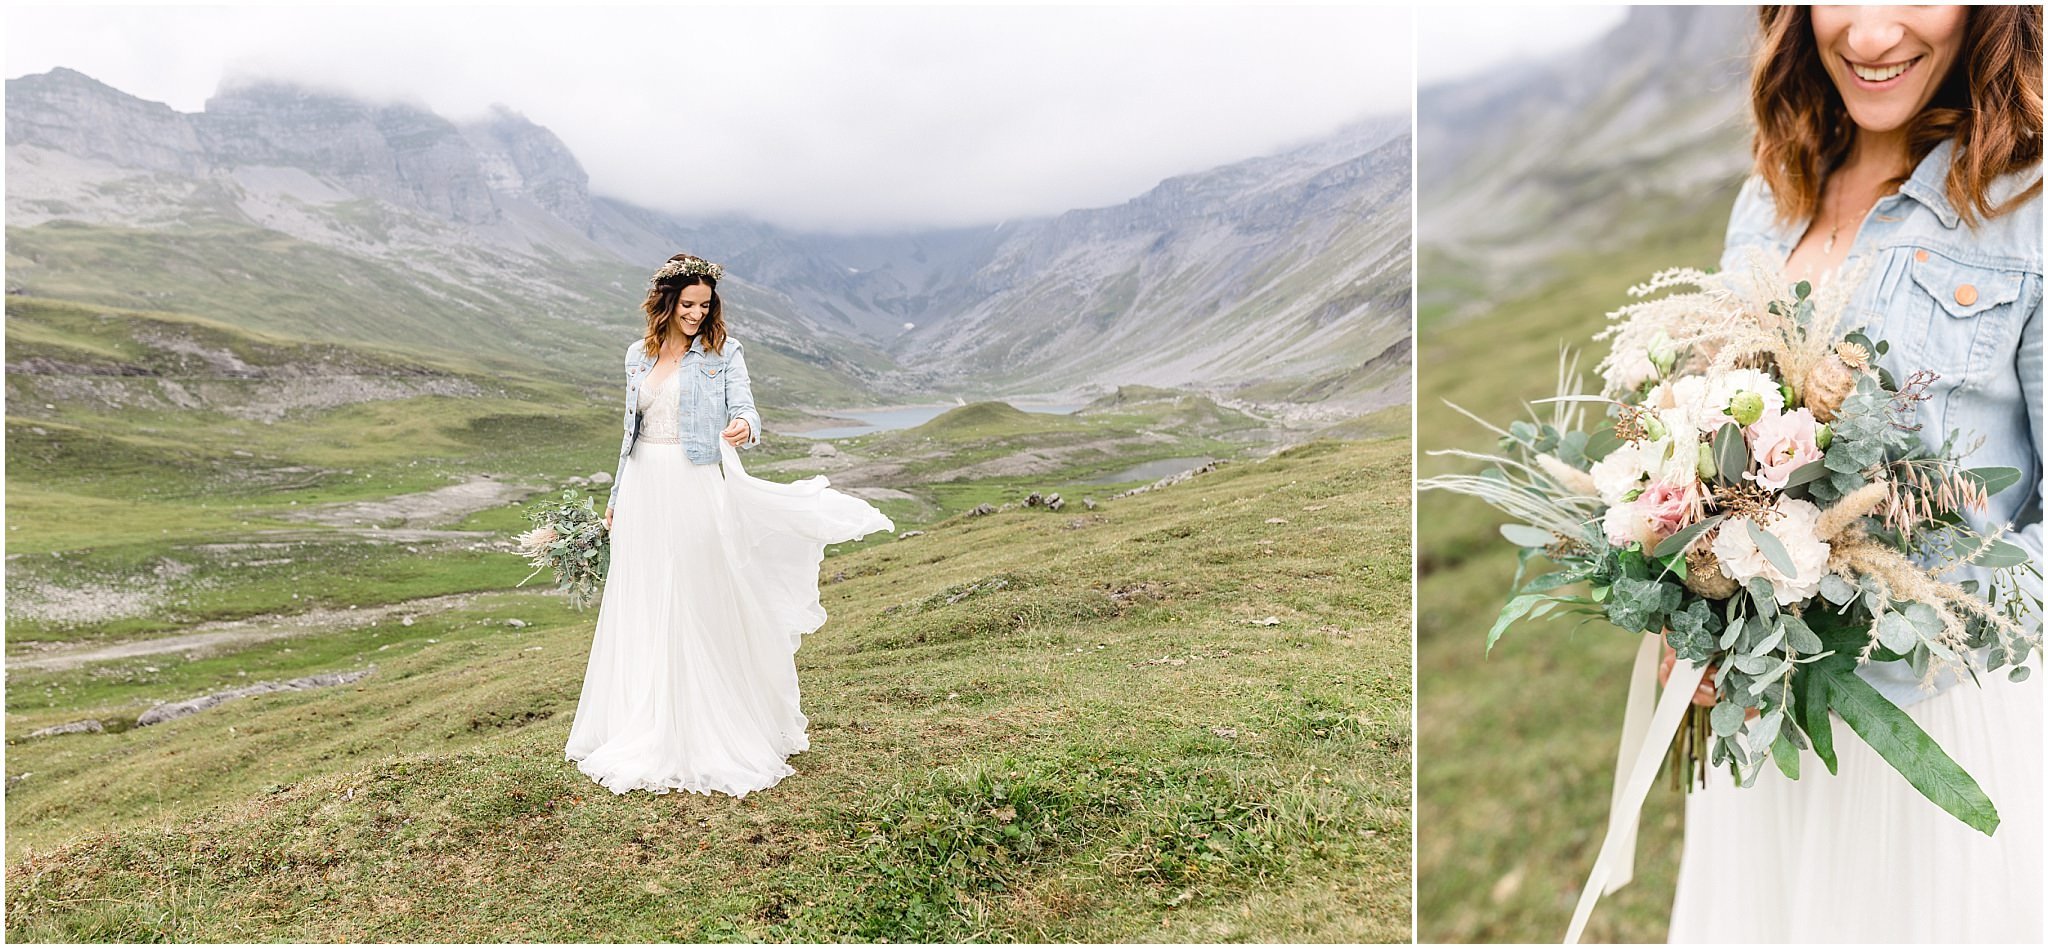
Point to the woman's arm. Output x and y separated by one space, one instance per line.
612 500
739 396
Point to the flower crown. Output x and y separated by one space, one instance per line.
686 267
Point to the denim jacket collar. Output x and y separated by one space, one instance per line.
696 346
1929 184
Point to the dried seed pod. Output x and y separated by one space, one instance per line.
1831 381
1703 574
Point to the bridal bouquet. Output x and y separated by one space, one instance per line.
569 536
1754 491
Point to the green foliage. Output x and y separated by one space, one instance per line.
1169 761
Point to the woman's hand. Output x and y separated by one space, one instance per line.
607 517
1704 695
738 433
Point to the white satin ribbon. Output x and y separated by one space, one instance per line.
1635 769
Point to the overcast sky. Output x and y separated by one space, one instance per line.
842 118
1453 42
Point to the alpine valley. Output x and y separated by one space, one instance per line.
282 372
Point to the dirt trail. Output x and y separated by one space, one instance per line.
419 509
221 634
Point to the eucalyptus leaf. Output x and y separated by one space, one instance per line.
1836 590
1998 555
1799 637
1811 471
1771 642
1994 479
1523 535
1731 456
1726 718
1896 633
1770 677
1924 618
1773 550
1679 541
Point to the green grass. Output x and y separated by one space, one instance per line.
110 489
1107 745
1517 748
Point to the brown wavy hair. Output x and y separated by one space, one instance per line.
1990 103
660 307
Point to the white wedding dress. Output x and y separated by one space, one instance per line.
713 583
1862 857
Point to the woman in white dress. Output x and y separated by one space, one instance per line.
1902 144
714 574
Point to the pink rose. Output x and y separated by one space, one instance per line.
1666 507
1657 513
1781 443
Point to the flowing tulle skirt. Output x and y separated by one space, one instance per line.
1861 856
713 583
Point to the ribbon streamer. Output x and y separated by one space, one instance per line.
1635 769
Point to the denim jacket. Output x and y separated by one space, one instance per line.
1964 302
714 392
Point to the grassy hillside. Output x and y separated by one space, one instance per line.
1518 747
166 470
1183 716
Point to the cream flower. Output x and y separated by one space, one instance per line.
1795 530
1706 397
1620 472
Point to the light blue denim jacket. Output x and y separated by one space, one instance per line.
1962 301
714 391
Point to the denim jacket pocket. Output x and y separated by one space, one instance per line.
1965 290
1969 316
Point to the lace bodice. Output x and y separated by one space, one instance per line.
658 407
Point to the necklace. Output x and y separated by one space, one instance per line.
1836 228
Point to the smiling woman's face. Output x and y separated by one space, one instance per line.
692 307
1887 62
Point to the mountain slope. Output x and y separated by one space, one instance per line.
317 215
1290 267
1588 151
1285 267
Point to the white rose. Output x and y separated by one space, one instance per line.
1795 530
1620 472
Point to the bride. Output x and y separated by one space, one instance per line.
1904 142
714 574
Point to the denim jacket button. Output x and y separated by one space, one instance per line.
1920 255
1966 294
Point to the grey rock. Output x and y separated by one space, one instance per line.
174 710
69 728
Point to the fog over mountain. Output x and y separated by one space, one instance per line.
844 119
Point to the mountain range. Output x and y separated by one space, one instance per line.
317 214
1586 151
